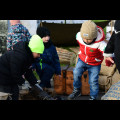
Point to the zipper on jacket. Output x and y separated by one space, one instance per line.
85 50
85 54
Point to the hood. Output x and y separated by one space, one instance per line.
100 35
22 47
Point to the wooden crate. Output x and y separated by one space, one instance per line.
85 88
64 85
69 81
60 83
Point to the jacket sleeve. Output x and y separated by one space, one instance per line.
56 62
102 47
30 77
109 50
16 64
9 41
28 35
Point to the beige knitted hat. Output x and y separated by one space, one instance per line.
89 30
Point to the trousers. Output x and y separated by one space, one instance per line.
93 72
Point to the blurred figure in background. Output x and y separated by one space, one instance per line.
17 33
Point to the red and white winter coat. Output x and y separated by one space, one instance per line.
92 54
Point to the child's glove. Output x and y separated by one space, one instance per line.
109 61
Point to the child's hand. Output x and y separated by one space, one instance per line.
109 61
59 77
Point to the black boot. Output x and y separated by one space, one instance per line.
92 98
76 93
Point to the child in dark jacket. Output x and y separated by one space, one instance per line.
15 63
50 63
17 33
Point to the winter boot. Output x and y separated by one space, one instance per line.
92 98
76 93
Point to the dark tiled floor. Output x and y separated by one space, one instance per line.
64 97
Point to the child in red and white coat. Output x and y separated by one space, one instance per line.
92 45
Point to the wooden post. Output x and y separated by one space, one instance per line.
41 23
65 21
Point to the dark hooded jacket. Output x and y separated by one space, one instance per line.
51 58
13 64
113 45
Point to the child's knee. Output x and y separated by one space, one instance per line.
75 72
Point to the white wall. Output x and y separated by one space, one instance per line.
31 25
